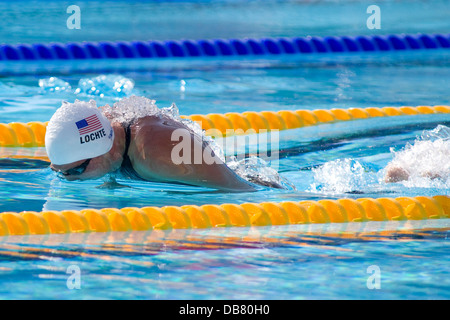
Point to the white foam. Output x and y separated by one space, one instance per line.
106 86
131 108
427 160
257 170
340 176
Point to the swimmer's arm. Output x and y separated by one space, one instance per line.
152 155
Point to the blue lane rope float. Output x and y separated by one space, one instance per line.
223 47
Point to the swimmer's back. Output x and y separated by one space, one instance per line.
149 156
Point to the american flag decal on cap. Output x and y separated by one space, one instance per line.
89 124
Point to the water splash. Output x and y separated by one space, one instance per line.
54 84
128 109
103 86
343 176
257 170
439 133
426 161
106 85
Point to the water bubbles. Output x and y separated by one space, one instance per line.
182 86
425 163
341 176
106 85
54 84
110 86
171 112
131 108
440 132
257 170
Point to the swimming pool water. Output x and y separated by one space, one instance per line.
291 262
211 19
282 262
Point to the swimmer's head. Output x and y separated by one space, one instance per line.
78 131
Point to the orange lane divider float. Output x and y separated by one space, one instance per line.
288 119
225 215
32 134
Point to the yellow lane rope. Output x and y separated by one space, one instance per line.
224 215
32 134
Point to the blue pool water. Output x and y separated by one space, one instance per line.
289 262
211 19
319 262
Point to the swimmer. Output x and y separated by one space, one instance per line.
85 142
427 158
395 173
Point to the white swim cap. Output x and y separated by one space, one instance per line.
78 131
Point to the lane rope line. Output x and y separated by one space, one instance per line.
223 47
224 215
32 134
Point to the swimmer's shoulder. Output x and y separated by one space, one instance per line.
154 130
